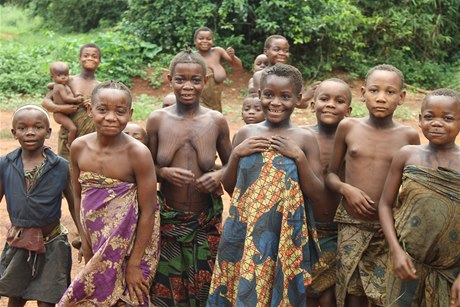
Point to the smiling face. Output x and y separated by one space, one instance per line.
260 62
31 128
203 41
110 110
382 93
440 119
331 103
187 81
279 98
90 58
277 51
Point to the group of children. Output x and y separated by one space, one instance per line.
314 212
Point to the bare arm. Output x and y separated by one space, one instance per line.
144 172
49 105
229 56
455 293
70 199
402 264
358 203
75 152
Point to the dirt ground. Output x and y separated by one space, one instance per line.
232 98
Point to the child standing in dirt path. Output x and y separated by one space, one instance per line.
331 104
36 260
84 83
366 146
269 242
424 250
211 97
116 207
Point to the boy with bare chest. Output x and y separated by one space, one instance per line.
367 146
183 140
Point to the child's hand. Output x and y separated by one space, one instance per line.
86 251
86 103
358 204
455 293
208 182
402 265
178 176
231 52
251 145
138 287
286 147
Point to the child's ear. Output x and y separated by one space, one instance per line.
89 111
266 51
205 80
420 120
48 133
169 78
348 112
363 91
13 132
131 113
312 106
298 104
402 97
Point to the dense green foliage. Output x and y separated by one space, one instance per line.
75 15
420 37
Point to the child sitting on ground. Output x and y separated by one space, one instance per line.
211 97
36 260
62 94
419 209
114 186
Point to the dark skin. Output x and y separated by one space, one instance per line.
96 152
367 146
184 156
331 104
214 55
440 123
279 99
31 128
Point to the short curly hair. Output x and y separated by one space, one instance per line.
188 57
268 41
283 70
385 67
442 92
202 29
112 84
337 80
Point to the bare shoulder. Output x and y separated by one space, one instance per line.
155 118
218 50
410 133
136 150
82 142
349 123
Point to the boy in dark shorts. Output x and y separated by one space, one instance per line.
36 261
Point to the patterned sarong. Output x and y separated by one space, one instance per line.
189 242
211 96
109 214
269 243
324 276
84 126
427 223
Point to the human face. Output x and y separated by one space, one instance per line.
89 58
203 41
252 111
31 128
440 120
187 82
110 111
260 62
278 52
332 103
136 132
60 76
278 98
382 93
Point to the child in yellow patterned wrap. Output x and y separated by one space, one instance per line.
269 242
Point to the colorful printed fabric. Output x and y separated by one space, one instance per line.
109 214
324 276
84 126
361 263
427 223
189 243
269 243
211 96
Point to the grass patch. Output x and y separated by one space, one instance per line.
144 105
14 101
5 134
15 21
